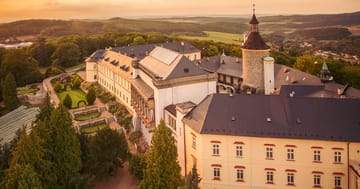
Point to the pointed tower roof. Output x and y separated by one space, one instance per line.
254 19
255 41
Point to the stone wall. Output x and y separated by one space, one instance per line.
253 68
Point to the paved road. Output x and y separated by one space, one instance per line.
48 88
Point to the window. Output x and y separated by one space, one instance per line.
94 66
337 157
317 180
239 175
269 177
172 122
290 154
216 150
239 151
317 156
95 77
269 153
290 179
193 142
337 182
216 173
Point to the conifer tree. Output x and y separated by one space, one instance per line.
21 177
27 164
192 179
109 149
9 92
67 101
91 96
162 168
64 148
45 110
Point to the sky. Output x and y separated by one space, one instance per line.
11 10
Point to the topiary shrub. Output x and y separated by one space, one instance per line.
67 101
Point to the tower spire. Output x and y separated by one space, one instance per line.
254 22
253 8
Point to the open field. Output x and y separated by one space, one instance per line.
355 30
218 37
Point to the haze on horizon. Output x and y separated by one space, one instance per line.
11 10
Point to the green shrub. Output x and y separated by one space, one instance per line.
91 96
58 86
67 101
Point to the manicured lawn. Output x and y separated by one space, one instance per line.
87 116
93 129
76 95
26 90
219 37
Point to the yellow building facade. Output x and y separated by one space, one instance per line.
253 162
278 142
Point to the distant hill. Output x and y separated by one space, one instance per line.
178 25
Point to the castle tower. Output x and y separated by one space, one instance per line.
254 51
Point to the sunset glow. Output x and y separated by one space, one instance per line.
79 9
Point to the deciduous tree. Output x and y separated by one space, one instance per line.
66 55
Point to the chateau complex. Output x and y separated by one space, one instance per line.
244 123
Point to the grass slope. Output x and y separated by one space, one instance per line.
218 37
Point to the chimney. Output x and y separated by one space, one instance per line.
339 91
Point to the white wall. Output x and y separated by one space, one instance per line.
91 71
269 81
192 92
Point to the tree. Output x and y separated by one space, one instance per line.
109 150
64 148
192 179
27 168
66 55
42 52
137 165
58 87
91 96
6 152
67 101
21 177
76 82
309 64
24 68
45 110
212 50
9 92
139 40
162 168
